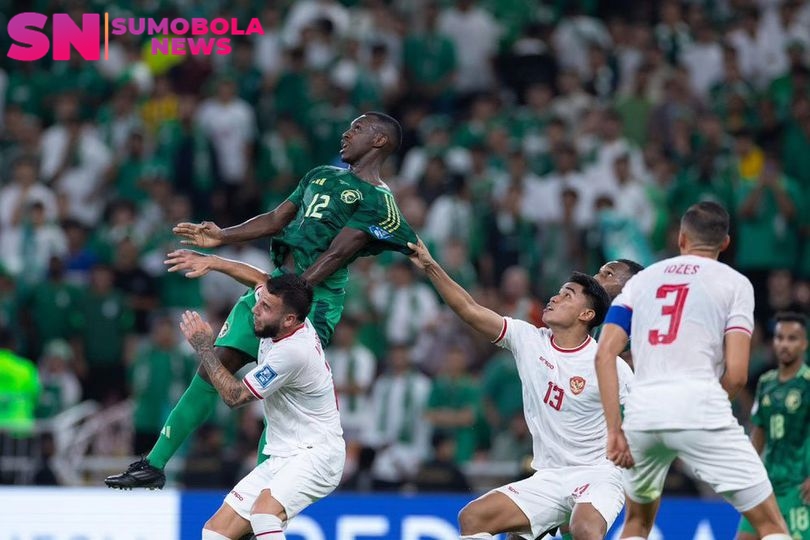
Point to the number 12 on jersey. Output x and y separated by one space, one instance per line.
319 202
673 310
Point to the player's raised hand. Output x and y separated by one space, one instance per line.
205 235
618 451
421 256
198 332
193 263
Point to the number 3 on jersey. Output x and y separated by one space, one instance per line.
319 202
673 310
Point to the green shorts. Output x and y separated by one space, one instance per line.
237 331
795 512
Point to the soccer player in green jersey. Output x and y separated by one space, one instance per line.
334 216
781 418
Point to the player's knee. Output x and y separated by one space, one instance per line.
582 529
471 519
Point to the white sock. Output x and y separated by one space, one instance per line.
208 534
778 536
266 527
474 536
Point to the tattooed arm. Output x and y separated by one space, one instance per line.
201 338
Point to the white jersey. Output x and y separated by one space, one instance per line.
295 383
682 308
561 400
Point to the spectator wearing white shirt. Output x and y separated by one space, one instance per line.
475 34
450 215
229 123
26 249
407 306
630 195
704 61
74 161
304 12
397 429
23 190
565 176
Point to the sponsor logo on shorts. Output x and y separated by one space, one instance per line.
577 384
578 492
225 328
380 233
351 196
513 490
265 376
237 495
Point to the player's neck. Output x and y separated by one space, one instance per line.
700 251
789 371
291 331
367 169
569 338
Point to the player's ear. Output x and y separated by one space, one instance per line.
587 315
380 140
725 244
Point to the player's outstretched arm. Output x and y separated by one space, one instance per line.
209 235
201 337
199 264
345 245
482 319
737 352
612 341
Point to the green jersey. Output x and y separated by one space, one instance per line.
329 199
782 410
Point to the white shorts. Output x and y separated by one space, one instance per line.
723 458
549 495
295 481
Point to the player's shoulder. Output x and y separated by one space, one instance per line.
769 376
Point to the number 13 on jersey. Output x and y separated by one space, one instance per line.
675 296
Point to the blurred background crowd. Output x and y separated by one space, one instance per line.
540 137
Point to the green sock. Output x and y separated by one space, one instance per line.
195 406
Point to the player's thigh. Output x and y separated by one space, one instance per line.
267 504
245 494
765 517
597 496
227 522
726 460
306 478
237 330
494 513
644 483
544 502
325 313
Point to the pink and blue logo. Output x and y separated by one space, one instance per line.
169 36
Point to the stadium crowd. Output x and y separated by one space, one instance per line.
539 138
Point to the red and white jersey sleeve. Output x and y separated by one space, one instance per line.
560 396
682 308
295 383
